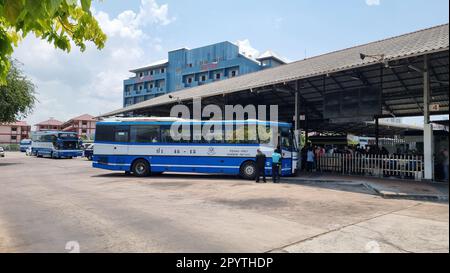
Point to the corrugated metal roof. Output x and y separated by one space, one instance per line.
429 40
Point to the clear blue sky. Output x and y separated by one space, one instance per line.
290 26
143 31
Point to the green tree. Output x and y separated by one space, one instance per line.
16 96
57 21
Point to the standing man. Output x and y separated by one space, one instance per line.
310 160
260 166
276 163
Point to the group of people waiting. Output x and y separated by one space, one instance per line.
310 154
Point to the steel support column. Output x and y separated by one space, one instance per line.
297 132
428 145
377 132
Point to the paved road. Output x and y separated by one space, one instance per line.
44 204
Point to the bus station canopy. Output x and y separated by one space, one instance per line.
394 65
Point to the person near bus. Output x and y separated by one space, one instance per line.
310 157
260 166
276 163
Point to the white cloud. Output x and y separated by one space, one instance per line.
373 2
129 24
245 48
70 84
152 13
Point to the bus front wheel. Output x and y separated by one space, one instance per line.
141 168
248 170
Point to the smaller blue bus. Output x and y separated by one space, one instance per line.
24 145
145 146
56 144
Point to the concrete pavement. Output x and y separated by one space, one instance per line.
44 204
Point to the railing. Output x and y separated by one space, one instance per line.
400 166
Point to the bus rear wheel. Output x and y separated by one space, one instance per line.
248 170
141 168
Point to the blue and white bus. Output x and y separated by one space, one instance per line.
25 144
144 146
56 144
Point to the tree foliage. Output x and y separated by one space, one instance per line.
17 96
57 21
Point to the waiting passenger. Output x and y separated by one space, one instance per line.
260 166
276 163
310 160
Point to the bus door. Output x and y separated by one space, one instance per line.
287 148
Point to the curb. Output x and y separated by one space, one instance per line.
392 195
382 193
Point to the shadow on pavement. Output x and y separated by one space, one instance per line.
10 164
173 176
334 185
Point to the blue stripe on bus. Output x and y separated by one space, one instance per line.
230 165
174 144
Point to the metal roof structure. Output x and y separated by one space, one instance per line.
156 64
398 73
369 129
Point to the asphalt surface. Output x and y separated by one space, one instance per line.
66 205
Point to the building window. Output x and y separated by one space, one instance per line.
13 137
14 129
203 78
141 75
189 80
151 72
218 76
163 70
84 131
84 122
233 73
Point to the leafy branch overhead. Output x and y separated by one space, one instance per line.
57 21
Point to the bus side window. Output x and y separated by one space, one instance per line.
104 133
145 134
185 135
121 134
264 134
165 134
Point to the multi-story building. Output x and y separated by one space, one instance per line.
13 133
83 125
49 125
187 68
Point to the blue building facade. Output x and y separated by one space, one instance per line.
186 68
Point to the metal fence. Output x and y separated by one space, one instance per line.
400 166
